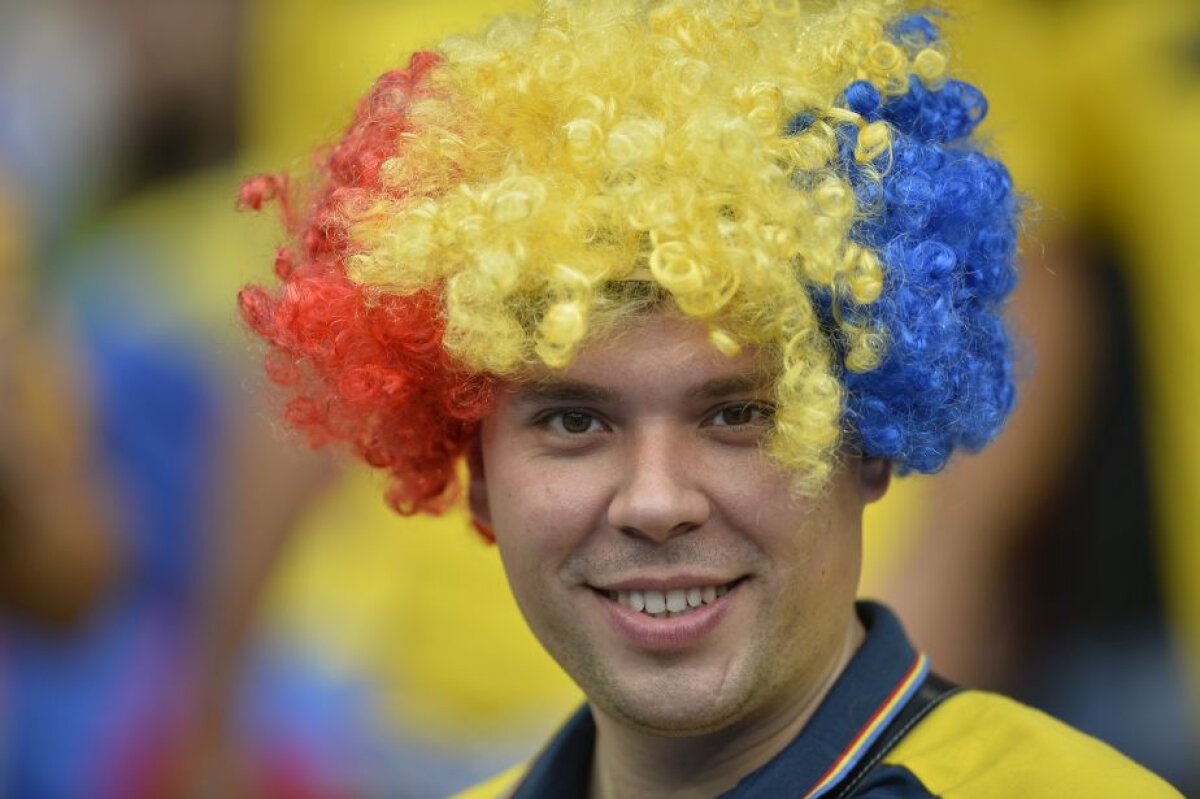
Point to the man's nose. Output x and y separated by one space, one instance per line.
658 497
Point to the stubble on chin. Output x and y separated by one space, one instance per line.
669 697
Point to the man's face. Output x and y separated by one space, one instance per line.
633 479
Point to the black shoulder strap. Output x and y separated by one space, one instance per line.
933 691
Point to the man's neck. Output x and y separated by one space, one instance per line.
629 762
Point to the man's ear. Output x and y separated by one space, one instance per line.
477 495
874 477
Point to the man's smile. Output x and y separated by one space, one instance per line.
668 599
672 619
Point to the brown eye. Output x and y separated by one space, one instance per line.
742 414
575 422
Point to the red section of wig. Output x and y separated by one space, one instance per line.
363 367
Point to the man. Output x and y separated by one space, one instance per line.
682 283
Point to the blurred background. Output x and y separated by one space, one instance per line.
193 605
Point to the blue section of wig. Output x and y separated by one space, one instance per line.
943 220
915 30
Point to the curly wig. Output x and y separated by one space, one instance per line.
798 176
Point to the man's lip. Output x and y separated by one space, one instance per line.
667 633
670 583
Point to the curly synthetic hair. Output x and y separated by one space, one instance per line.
800 177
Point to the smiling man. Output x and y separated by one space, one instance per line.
655 552
682 283
663 561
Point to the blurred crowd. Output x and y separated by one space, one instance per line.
194 605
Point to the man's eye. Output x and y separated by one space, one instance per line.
741 414
573 422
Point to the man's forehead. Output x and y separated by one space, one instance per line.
657 353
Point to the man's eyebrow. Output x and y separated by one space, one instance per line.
729 386
560 390
557 390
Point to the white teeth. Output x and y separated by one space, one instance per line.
669 604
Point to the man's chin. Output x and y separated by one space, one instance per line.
676 714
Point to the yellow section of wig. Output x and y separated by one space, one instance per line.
612 140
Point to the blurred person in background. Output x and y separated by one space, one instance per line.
58 554
139 502
1076 589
